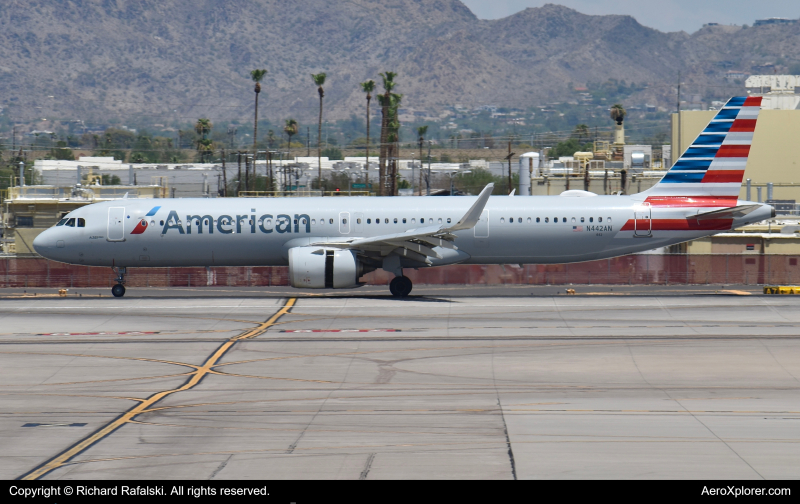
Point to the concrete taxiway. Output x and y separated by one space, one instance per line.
454 383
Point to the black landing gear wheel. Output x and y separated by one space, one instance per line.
118 290
400 286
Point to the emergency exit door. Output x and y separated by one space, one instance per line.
116 224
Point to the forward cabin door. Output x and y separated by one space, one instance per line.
642 222
116 224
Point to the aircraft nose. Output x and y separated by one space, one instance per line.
45 243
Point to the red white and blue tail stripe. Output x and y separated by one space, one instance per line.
710 171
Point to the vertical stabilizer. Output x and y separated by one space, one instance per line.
709 173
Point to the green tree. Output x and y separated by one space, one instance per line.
332 153
368 87
203 128
569 147
61 151
290 129
257 76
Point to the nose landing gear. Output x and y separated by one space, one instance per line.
400 286
119 289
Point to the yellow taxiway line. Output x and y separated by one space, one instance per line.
195 377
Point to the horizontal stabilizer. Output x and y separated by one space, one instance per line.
727 213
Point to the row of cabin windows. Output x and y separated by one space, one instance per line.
70 222
573 220
555 219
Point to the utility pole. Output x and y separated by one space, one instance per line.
509 166
239 180
676 155
224 176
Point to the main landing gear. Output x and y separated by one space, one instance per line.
400 286
119 289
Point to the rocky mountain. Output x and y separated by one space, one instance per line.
181 59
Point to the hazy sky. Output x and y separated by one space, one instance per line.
664 15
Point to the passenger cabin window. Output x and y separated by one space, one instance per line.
546 219
422 220
81 222
330 221
582 219
344 221
608 219
413 221
599 219
358 221
573 219
386 221
369 221
395 220
404 220
537 219
529 220
591 219
503 219
448 220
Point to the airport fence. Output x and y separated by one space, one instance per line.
639 269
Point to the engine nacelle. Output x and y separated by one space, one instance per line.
321 268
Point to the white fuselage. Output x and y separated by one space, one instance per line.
259 232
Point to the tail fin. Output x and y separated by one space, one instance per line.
710 171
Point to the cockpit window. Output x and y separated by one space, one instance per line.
62 222
71 222
81 222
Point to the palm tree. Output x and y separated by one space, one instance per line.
391 137
319 80
580 132
618 113
385 101
203 127
290 129
256 75
421 132
368 87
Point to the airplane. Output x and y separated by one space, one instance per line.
332 242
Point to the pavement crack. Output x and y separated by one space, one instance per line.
505 426
367 466
221 467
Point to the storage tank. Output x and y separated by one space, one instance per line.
528 167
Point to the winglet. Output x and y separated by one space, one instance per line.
473 215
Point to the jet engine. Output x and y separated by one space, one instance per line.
321 268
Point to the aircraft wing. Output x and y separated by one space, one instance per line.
418 244
727 213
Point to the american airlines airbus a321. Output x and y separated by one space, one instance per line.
332 242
